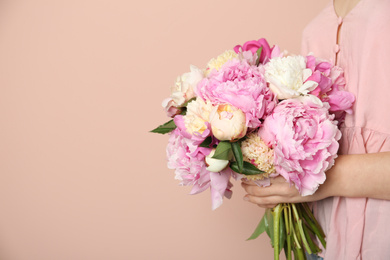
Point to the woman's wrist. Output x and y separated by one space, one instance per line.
359 175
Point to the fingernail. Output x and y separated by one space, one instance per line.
246 198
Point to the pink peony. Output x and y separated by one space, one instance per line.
304 138
266 53
188 161
241 85
330 87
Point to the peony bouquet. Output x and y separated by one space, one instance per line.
255 113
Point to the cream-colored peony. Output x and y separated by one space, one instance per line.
287 75
182 91
255 151
198 113
217 63
228 123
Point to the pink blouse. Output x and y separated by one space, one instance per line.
357 228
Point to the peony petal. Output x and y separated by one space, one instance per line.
306 74
218 184
307 87
196 189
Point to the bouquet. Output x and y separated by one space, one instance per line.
256 113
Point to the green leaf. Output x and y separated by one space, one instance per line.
259 229
269 225
236 146
259 50
189 101
223 151
165 128
313 247
206 143
247 169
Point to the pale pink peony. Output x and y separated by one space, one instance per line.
188 161
330 87
171 108
241 85
304 138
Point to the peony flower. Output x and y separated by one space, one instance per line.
170 107
330 87
255 151
287 77
215 165
182 91
304 138
198 113
227 122
190 168
183 157
241 85
195 124
266 53
217 63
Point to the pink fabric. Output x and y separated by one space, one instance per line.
357 228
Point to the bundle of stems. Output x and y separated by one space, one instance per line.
291 227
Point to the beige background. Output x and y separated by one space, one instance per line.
81 83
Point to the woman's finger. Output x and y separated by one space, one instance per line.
270 206
248 182
282 189
264 202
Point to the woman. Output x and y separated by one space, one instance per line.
353 205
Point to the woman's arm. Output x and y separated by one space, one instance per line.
360 175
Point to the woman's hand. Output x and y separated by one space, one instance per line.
279 191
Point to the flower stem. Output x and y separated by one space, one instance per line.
286 211
277 212
299 253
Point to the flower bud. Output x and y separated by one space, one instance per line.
215 165
228 123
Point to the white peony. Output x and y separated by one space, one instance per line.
287 75
183 90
